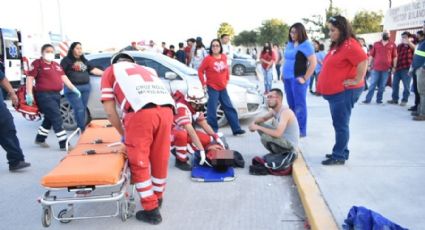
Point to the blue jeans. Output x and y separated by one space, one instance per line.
379 78
406 79
8 139
79 105
214 97
340 105
278 68
49 105
296 97
268 78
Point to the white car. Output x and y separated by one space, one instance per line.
245 95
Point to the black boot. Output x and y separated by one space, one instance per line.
152 216
185 166
19 165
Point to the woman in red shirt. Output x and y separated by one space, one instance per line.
341 82
216 71
49 78
267 59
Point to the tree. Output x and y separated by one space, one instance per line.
367 22
274 31
319 24
246 38
314 26
225 28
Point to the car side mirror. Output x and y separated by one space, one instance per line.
170 76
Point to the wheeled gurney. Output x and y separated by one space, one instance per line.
95 171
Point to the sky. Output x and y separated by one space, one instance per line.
101 24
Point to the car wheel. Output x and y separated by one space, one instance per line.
221 118
67 113
238 70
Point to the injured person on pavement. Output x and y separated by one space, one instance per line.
186 138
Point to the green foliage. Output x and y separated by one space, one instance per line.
274 31
367 22
246 38
225 28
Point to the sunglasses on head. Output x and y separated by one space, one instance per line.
332 19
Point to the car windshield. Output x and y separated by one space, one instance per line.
182 67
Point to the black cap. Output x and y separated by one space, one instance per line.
117 56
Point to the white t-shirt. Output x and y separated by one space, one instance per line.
228 50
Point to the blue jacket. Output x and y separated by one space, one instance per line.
418 56
361 218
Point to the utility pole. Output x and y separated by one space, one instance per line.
390 1
60 20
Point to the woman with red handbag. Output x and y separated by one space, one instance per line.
49 79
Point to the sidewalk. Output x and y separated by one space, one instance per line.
386 169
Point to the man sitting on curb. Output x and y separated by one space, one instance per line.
284 130
190 113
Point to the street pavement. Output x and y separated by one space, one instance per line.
249 202
386 169
384 173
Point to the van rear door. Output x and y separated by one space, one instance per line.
11 55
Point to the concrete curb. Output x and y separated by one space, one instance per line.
318 213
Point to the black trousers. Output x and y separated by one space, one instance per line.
8 139
49 105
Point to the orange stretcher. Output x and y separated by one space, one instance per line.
97 162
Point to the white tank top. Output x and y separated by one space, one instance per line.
292 130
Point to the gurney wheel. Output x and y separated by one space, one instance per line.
63 214
124 210
46 217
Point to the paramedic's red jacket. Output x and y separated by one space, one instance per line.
216 72
340 64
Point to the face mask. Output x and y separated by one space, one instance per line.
385 37
49 57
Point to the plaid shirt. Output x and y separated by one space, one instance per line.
405 56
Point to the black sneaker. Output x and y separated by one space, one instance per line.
414 113
152 216
392 102
366 102
379 102
331 161
239 132
413 108
42 144
20 165
185 166
328 156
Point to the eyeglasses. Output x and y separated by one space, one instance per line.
293 32
271 96
215 46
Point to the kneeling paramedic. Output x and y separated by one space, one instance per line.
284 130
147 108
190 113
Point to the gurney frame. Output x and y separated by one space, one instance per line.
122 193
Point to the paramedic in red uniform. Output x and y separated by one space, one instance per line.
189 112
49 80
147 108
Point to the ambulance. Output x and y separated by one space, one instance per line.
19 49
10 55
